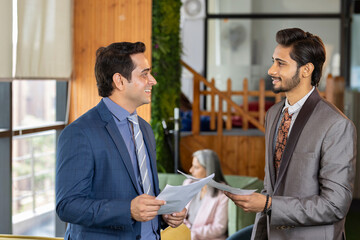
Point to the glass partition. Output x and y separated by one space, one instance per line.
355 55
34 103
33 174
273 6
243 48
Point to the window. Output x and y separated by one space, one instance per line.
33 174
35 117
241 38
355 56
273 6
33 103
35 68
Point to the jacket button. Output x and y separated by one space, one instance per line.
138 237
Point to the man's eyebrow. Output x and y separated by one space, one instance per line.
146 70
279 60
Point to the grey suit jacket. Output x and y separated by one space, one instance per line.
313 192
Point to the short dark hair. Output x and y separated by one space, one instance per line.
306 48
112 59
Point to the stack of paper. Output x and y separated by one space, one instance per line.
177 197
223 187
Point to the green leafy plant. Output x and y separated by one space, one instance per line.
166 68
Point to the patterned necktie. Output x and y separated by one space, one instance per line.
281 139
140 154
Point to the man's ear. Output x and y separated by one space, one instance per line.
307 70
118 81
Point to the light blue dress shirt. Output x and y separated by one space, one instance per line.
148 229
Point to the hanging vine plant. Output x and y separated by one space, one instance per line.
166 51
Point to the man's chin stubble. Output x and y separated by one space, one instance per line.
277 90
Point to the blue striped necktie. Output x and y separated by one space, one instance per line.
140 154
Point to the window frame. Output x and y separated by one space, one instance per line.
345 29
7 132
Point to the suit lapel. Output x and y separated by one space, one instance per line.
152 155
297 128
114 133
271 143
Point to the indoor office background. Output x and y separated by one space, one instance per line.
47 79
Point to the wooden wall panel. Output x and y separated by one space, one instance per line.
100 23
239 155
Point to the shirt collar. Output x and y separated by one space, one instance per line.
116 110
297 106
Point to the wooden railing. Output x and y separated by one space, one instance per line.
333 93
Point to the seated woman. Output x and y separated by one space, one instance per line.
207 215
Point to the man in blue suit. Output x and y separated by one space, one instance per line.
101 189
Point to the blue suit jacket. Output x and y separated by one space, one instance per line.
95 180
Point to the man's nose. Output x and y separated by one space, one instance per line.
152 80
272 70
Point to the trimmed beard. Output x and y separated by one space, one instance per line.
295 80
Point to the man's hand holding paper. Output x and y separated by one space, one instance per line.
223 187
177 197
175 219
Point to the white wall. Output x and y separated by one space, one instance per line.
355 56
192 37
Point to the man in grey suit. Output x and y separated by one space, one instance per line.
310 150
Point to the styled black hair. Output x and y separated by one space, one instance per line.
112 59
306 48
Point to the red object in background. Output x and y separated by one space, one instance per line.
253 107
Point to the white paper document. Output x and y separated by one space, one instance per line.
222 187
177 197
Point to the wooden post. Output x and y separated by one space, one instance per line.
245 122
212 113
339 92
196 108
262 101
219 118
228 112
330 89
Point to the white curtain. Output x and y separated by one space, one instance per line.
6 39
44 47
